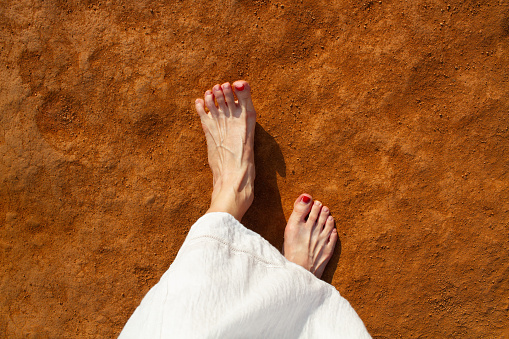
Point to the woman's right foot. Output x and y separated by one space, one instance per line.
310 235
229 130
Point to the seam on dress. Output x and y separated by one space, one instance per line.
266 262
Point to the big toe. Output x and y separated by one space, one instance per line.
243 93
302 207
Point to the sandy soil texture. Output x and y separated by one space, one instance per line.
393 113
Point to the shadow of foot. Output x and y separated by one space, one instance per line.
265 216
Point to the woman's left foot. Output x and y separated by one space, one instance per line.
229 129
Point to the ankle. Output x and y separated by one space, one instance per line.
226 206
229 199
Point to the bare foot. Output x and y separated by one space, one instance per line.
229 130
310 235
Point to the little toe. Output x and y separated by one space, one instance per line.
243 92
228 95
210 103
200 108
218 93
301 207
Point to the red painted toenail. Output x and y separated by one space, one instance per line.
239 87
306 199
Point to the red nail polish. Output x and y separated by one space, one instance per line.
306 199
239 88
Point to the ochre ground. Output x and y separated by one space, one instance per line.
395 114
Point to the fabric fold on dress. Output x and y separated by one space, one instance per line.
228 282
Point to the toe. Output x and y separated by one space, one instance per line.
326 253
329 247
301 207
324 214
210 103
322 219
329 225
314 214
200 108
228 95
218 93
243 92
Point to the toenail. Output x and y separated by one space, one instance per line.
317 203
330 218
305 199
217 87
325 209
239 87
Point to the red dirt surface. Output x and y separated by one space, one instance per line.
392 113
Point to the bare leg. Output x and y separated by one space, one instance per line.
310 235
229 130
